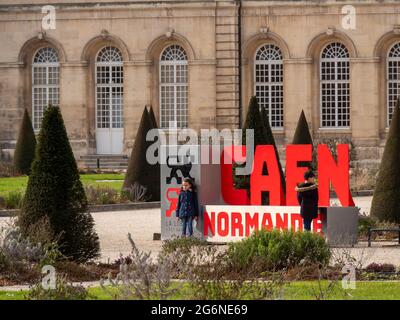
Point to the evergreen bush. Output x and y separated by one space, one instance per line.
55 192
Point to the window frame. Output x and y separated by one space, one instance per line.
335 83
270 84
37 115
110 86
174 85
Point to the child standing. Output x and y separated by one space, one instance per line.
187 208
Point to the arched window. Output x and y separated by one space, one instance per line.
393 80
335 86
173 88
268 83
45 83
109 88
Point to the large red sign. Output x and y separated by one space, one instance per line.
330 172
230 223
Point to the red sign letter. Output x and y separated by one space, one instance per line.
264 157
295 174
336 173
229 193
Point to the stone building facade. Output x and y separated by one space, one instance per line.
198 63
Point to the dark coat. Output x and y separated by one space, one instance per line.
188 205
307 196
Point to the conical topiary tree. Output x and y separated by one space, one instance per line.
25 147
253 121
55 193
271 140
262 136
155 171
153 118
140 172
386 199
302 136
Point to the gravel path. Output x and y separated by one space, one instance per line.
113 227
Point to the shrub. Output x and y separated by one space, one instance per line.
3 262
153 118
269 139
272 250
364 223
13 200
135 193
142 278
139 169
377 267
385 205
55 191
25 147
21 258
63 291
17 249
184 245
207 272
302 136
362 178
259 122
101 195
7 169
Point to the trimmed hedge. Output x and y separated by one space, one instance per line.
55 192
385 204
25 147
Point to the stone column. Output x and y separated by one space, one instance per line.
73 104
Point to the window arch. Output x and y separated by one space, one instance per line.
268 82
393 80
174 87
45 83
109 88
335 86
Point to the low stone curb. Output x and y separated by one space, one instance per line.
26 287
152 205
100 208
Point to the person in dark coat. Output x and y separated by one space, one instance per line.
187 209
307 196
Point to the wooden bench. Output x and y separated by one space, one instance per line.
371 230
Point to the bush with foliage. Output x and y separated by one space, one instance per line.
302 136
140 171
380 267
135 193
98 195
63 291
258 121
55 191
153 117
364 223
272 250
25 147
385 204
13 200
271 140
15 248
7 169
140 277
182 244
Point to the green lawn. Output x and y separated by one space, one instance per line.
298 290
19 183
